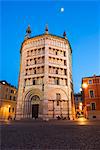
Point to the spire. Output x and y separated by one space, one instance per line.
46 29
28 32
64 34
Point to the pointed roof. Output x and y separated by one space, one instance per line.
28 30
64 34
46 29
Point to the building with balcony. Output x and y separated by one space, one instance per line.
91 96
45 81
8 96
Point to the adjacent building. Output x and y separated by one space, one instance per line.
45 81
8 96
78 100
91 96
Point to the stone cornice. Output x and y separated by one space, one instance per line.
45 36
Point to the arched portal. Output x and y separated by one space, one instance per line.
32 105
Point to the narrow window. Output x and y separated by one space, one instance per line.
65 72
64 62
35 71
26 72
65 81
14 98
91 92
10 97
27 63
35 51
12 91
13 109
31 52
57 102
35 61
64 53
90 81
56 71
9 109
39 50
93 106
33 81
30 61
57 81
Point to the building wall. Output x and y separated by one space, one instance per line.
8 96
45 70
93 84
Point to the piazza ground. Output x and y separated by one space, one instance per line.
50 135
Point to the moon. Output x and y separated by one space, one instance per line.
62 9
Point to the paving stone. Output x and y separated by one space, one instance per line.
51 135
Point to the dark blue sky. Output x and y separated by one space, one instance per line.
79 19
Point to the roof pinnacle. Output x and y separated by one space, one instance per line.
28 32
64 34
46 29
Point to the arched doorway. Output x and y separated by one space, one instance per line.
32 100
35 101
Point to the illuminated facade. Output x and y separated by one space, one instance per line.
8 96
91 96
45 80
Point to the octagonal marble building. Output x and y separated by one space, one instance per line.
45 88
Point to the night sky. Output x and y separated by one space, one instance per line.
80 20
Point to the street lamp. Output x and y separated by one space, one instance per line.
80 106
80 89
84 85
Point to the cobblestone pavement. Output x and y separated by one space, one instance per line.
51 135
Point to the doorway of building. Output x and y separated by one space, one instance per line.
35 100
35 109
